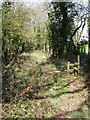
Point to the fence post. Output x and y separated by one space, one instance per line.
78 63
68 68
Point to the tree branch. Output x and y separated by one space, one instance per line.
10 64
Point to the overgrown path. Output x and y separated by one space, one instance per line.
42 92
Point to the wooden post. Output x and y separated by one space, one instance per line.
68 68
78 63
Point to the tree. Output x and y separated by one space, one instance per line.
13 26
89 34
13 22
65 21
60 26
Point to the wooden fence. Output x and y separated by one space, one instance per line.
74 67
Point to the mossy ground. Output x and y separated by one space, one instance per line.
56 94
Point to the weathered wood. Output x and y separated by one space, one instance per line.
71 64
68 68
74 66
78 63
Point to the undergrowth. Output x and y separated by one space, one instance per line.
37 87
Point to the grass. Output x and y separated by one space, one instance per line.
51 98
79 114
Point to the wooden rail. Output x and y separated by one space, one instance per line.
73 67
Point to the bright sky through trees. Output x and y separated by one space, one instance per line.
79 1
35 2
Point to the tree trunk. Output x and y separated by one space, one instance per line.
89 51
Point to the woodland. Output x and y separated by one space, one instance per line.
45 60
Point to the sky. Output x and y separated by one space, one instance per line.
78 1
84 2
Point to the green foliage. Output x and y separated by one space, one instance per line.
28 47
79 114
60 26
45 100
33 85
13 25
13 22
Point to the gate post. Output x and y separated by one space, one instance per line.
68 68
78 64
